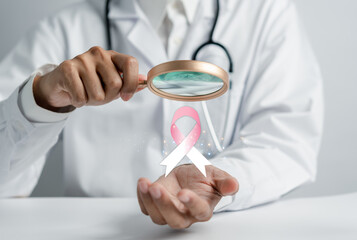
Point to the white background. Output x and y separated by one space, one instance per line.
331 26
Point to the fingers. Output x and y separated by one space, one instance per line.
99 71
72 84
142 82
91 78
197 206
168 210
142 77
140 201
147 202
129 66
111 78
167 202
93 87
227 185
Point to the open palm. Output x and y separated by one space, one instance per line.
185 196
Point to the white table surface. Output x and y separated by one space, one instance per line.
84 218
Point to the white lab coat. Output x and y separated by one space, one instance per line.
273 124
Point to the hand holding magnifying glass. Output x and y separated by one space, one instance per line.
98 76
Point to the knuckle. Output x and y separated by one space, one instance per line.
115 83
68 70
99 97
97 51
83 61
131 62
81 58
67 67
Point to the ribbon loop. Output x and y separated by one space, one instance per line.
185 145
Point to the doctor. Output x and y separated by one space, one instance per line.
115 137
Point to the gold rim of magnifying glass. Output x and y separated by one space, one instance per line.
188 66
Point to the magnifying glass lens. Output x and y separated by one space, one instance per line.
187 80
188 83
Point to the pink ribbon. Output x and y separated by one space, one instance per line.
195 133
185 145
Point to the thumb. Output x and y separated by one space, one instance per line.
142 79
227 185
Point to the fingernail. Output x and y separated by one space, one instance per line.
143 187
202 217
184 198
126 96
155 192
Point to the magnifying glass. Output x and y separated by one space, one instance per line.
187 80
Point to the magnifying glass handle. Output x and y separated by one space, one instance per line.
142 83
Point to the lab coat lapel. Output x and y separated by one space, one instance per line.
145 39
199 30
138 32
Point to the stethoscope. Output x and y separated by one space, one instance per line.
194 57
